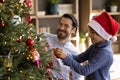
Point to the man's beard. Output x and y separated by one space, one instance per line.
62 36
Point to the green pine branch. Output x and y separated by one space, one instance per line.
14 61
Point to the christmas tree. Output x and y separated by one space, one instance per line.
23 54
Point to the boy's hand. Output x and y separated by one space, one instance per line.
59 53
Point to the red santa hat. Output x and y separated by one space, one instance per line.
105 26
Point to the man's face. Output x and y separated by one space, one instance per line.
64 28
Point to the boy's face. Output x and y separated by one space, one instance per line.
95 38
65 28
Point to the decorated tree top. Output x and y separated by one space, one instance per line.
23 54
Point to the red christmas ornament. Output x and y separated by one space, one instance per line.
29 19
28 3
48 70
30 43
47 44
2 24
51 63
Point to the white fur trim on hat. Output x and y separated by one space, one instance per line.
99 29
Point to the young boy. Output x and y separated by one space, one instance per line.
102 31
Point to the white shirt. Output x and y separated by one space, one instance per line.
63 70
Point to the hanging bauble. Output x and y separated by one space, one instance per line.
29 19
2 24
47 44
51 63
30 43
28 3
35 58
48 70
16 20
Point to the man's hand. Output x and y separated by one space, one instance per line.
59 53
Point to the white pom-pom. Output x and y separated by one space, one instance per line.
16 20
113 38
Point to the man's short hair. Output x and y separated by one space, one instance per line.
74 21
